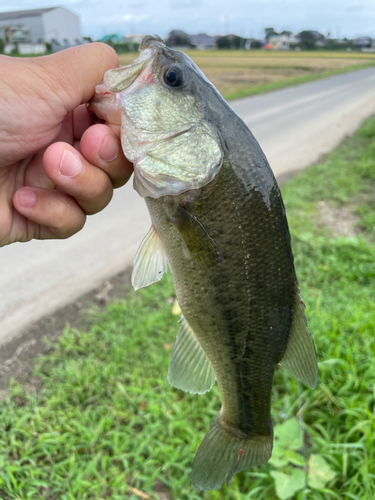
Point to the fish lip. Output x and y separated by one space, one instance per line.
120 82
119 79
97 97
107 90
102 93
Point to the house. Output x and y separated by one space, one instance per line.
363 42
281 42
113 38
180 39
203 41
56 25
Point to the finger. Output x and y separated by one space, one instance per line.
75 124
100 146
34 174
55 212
66 129
82 120
72 173
76 71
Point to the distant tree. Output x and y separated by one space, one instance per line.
181 41
286 32
124 47
332 44
15 51
268 32
230 42
87 39
1 45
256 44
307 40
177 38
49 47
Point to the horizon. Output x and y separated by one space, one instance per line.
245 18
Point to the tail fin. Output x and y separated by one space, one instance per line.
223 453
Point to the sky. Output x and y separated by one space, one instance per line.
247 18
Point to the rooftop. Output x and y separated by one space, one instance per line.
15 14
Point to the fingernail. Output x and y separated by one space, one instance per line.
71 164
26 198
110 149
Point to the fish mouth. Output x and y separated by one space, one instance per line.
110 100
121 81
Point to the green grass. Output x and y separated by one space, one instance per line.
295 80
105 421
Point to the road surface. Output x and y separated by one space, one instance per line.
294 126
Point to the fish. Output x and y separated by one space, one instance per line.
219 224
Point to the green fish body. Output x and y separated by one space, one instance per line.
219 223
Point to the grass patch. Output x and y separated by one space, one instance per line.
105 424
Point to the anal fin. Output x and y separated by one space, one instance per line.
150 262
300 355
189 366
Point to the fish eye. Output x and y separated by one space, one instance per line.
174 76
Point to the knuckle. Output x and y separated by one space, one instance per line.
68 218
100 194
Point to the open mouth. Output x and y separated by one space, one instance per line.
105 104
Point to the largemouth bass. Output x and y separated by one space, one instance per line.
219 223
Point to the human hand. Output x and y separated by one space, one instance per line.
56 167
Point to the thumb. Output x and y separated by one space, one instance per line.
75 72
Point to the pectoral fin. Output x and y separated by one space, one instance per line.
189 366
201 246
300 355
150 262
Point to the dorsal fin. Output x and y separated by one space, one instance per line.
150 262
189 366
300 355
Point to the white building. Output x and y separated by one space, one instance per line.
281 42
52 24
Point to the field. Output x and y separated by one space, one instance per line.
240 73
98 419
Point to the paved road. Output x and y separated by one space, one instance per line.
294 126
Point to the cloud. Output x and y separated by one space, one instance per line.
185 4
126 17
130 17
137 5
